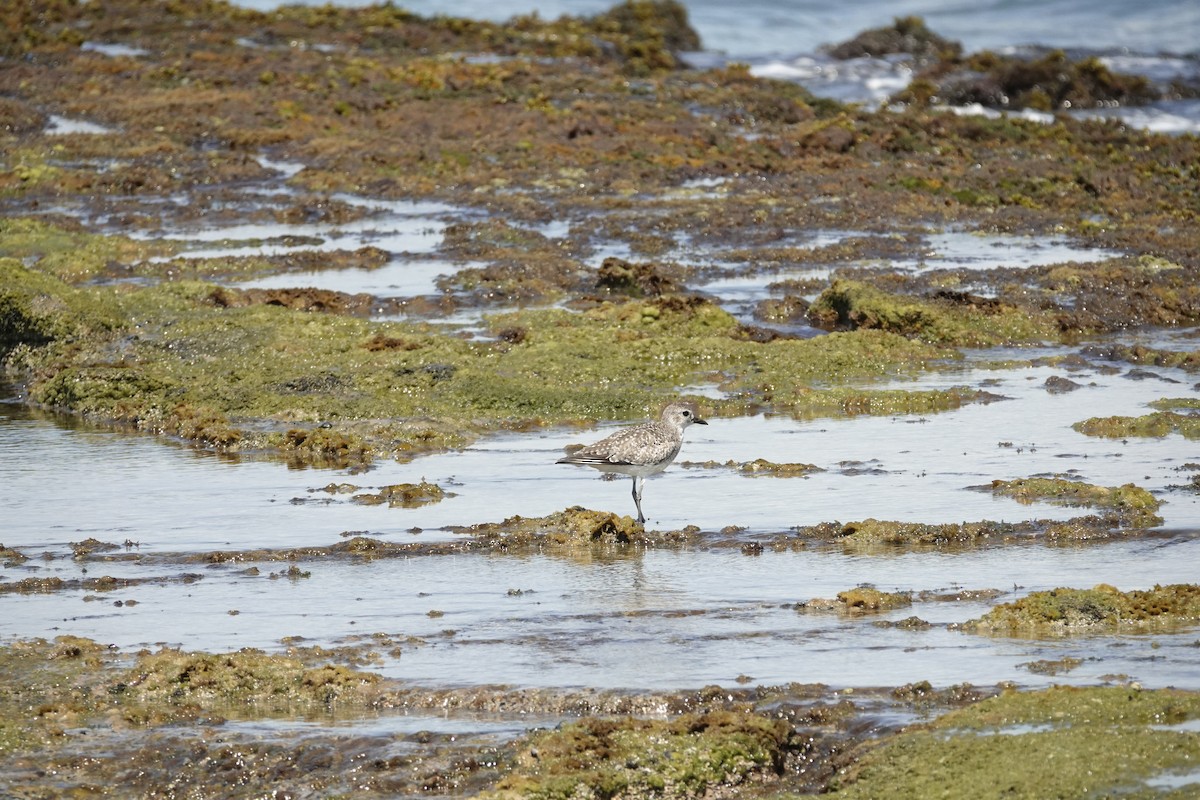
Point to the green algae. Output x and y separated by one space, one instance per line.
185 365
1133 503
1155 425
1063 742
1176 402
1188 360
553 112
883 536
38 675
147 720
37 308
151 711
852 304
72 255
761 466
858 401
628 757
177 680
1100 609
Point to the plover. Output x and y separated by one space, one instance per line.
642 450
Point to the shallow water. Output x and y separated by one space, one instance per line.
395 226
661 619
400 277
693 616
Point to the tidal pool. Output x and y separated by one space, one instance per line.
658 619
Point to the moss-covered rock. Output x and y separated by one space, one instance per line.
859 600
37 308
874 535
907 35
71 254
761 466
1062 742
1100 609
1154 425
852 305
571 528
249 678
690 756
1133 503
403 495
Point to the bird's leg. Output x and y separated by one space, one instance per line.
638 483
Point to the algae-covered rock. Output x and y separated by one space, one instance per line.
908 35
874 535
761 466
1134 504
1046 83
1141 354
691 756
1102 608
852 305
10 556
871 531
572 527
403 495
636 280
1063 742
248 677
36 308
71 254
1154 425
861 599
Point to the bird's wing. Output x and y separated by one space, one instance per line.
645 444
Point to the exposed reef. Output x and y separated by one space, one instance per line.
1102 608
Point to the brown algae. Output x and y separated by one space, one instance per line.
859 600
404 495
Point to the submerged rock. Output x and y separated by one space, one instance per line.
1056 384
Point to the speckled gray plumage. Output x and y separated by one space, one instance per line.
651 444
640 450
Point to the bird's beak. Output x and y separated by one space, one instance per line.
699 421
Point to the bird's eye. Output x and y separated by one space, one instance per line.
687 413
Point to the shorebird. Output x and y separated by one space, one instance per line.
641 450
